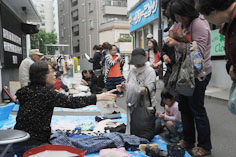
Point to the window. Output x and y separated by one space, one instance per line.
91 24
42 5
43 24
116 3
77 48
61 7
124 35
107 2
74 2
61 20
75 16
62 33
75 30
90 7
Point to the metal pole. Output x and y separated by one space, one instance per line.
160 72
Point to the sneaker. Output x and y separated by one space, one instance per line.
115 105
106 106
199 152
185 145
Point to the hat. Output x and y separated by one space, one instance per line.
35 52
149 36
138 56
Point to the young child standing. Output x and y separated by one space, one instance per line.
113 73
172 116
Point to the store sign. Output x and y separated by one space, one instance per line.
14 41
9 47
217 43
145 13
11 36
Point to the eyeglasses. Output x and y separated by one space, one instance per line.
51 70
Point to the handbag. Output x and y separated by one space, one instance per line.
232 99
186 81
143 118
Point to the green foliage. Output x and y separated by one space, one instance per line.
39 40
124 39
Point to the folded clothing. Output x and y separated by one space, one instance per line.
113 152
113 115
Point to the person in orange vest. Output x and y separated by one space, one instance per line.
113 69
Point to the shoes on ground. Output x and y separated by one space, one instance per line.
199 152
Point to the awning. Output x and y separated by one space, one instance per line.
29 28
24 9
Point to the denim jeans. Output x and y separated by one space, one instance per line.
112 82
193 112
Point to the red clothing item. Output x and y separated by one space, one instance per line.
229 30
157 56
115 70
58 84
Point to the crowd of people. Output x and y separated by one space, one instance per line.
184 115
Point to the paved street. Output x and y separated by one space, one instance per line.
223 127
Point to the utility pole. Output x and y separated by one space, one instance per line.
160 72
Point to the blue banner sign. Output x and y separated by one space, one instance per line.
143 14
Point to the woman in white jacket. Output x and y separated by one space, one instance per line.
140 78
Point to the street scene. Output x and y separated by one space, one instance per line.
117 78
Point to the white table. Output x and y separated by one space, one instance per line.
8 137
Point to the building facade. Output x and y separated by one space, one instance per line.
14 16
114 24
144 20
55 19
46 11
78 26
91 22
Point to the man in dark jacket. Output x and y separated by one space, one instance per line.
96 60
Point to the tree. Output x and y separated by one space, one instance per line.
39 40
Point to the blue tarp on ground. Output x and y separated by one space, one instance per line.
157 140
91 108
71 121
60 121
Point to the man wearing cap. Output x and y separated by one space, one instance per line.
34 56
149 36
141 77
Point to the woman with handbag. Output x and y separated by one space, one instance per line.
190 26
140 93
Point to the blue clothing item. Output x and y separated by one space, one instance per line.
193 111
159 125
178 126
95 143
112 82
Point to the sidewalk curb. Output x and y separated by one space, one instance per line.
216 98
